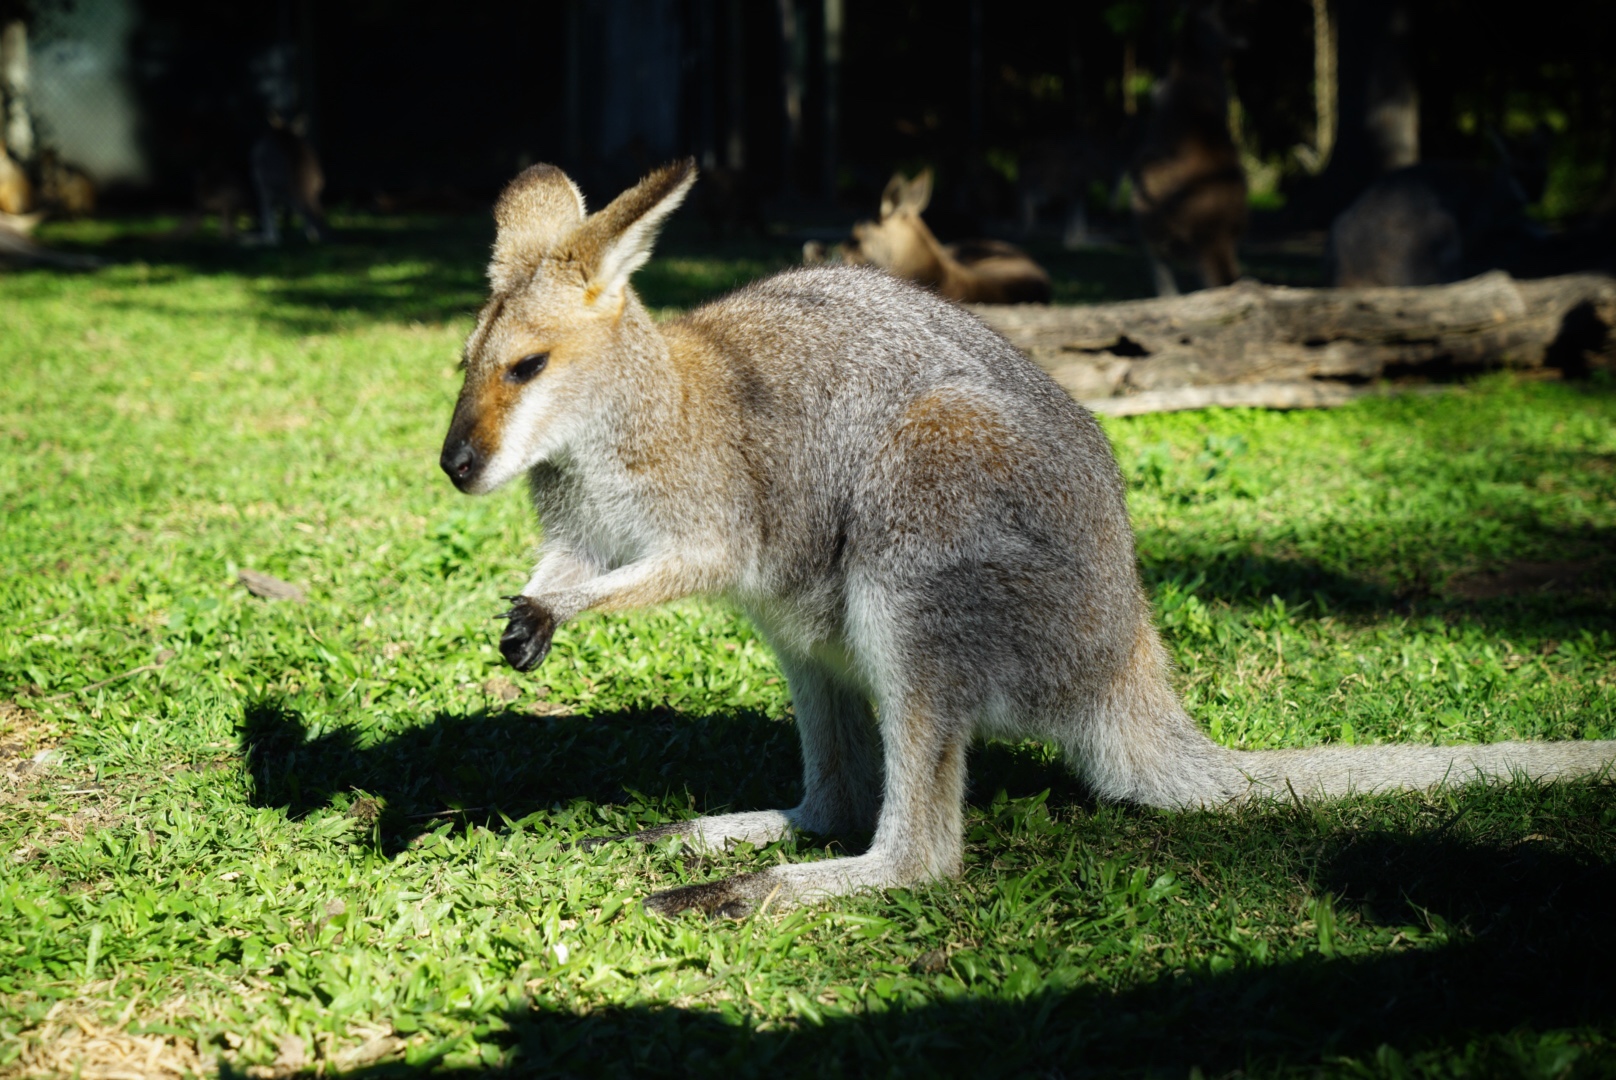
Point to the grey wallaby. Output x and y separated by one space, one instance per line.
286 174
1444 221
930 534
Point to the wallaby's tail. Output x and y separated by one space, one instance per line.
1344 770
1140 746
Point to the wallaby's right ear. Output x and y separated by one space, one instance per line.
892 195
616 241
918 195
535 213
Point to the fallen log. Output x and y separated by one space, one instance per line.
1276 347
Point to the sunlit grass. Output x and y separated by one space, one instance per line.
338 833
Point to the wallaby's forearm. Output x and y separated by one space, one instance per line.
657 579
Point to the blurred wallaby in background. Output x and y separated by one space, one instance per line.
1445 221
286 175
1054 178
972 271
1189 189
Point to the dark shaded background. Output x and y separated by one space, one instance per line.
419 103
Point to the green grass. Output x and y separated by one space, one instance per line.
270 836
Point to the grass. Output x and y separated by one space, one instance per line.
267 838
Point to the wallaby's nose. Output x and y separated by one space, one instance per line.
459 460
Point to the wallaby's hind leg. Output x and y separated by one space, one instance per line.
312 221
269 226
841 752
841 756
1219 266
1161 274
920 834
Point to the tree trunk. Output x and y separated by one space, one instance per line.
793 63
831 88
16 122
1277 347
1377 99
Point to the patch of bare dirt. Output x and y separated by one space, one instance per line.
23 733
139 1042
35 778
1525 578
27 748
72 1040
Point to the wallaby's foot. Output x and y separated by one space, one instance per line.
728 898
526 641
794 884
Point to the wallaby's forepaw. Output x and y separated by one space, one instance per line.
730 898
526 641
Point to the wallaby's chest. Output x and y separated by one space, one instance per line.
593 513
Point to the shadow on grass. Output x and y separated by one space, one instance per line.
1507 890
430 268
414 269
480 766
1527 577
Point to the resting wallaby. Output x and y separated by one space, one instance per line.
286 173
1443 221
930 534
974 271
1189 188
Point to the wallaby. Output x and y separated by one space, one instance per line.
973 271
286 174
1055 174
1442 221
1189 188
930 534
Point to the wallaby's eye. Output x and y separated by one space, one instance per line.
527 367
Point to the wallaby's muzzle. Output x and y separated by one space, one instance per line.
460 458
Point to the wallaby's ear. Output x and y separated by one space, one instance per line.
892 196
616 241
537 210
918 196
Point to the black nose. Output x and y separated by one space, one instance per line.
459 460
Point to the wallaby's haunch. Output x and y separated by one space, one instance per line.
927 530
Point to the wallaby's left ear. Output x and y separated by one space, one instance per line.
616 241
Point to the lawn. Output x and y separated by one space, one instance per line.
272 837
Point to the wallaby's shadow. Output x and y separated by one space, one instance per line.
480 766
